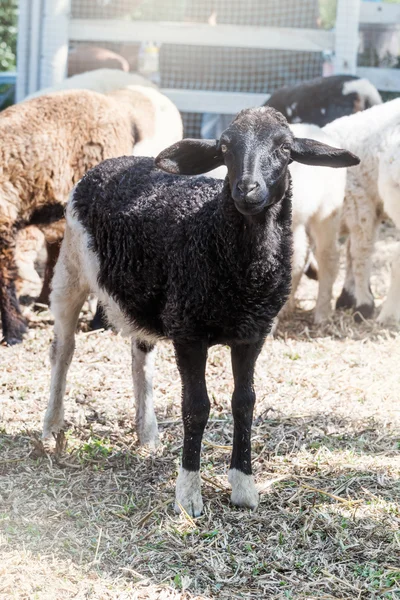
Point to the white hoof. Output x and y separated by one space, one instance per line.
149 436
244 492
188 493
52 425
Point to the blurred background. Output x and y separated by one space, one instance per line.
211 57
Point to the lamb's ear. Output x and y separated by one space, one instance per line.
311 152
190 157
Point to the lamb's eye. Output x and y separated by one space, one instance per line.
285 147
224 148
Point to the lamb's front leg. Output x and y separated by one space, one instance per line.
191 360
240 476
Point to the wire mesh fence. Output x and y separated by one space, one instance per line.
228 69
274 13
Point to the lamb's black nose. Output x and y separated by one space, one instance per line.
247 187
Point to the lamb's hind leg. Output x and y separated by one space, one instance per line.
143 355
66 300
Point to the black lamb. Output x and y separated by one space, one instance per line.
194 260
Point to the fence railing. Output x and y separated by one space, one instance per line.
47 28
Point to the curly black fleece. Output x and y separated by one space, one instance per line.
178 257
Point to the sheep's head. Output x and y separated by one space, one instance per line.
256 148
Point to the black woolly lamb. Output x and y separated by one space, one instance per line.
196 261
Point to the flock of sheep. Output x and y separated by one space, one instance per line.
174 254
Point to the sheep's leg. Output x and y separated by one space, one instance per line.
191 360
360 217
347 298
299 259
143 355
240 477
391 307
53 251
325 234
13 323
361 248
67 298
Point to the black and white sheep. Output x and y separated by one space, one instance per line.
193 260
324 99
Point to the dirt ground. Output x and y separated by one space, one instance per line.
97 521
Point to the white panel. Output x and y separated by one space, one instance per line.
54 42
346 36
213 102
380 12
199 34
386 80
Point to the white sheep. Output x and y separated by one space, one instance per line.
372 188
318 195
389 191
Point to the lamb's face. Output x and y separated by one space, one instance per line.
256 149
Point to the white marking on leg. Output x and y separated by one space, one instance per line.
244 492
142 374
66 300
188 492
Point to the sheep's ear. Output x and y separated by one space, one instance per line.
190 157
311 152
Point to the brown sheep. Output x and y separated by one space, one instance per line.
48 144
88 58
158 124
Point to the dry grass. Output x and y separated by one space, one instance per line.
97 520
